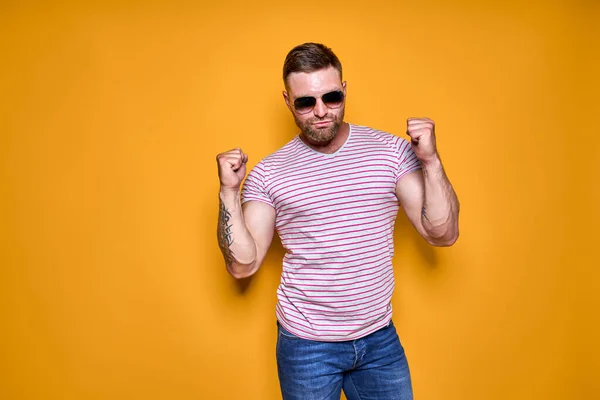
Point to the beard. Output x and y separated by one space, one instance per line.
321 136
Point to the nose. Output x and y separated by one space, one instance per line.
320 109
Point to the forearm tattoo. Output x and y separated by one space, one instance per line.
224 234
424 214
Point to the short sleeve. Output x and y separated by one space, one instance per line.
255 186
407 159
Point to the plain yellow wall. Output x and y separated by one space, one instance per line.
112 285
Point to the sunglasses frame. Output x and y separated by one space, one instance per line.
321 97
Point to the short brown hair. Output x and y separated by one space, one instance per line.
310 57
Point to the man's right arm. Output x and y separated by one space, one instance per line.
244 233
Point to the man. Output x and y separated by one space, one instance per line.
333 194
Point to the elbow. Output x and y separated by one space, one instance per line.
241 271
442 235
443 241
240 275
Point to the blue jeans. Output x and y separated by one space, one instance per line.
371 368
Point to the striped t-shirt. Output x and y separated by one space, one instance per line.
335 216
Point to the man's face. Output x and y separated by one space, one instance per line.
322 123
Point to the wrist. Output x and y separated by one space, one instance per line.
432 163
229 193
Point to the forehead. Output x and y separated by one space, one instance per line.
313 83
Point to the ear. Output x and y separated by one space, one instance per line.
286 97
344 88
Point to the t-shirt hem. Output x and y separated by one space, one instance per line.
302 335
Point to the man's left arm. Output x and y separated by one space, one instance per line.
426 195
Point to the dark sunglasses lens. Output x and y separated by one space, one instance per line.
333 99
304 104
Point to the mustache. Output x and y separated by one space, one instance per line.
325 118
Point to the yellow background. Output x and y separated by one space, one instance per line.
112 285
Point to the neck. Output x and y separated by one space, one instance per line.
333 145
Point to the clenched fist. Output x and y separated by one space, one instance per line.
232 168
422 135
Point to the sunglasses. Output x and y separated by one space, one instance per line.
304 105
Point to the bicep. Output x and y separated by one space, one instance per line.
410 191
260 221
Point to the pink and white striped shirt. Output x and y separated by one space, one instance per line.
335 215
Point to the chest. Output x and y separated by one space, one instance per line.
314 192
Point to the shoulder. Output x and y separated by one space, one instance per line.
279 157
387 139
287 151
